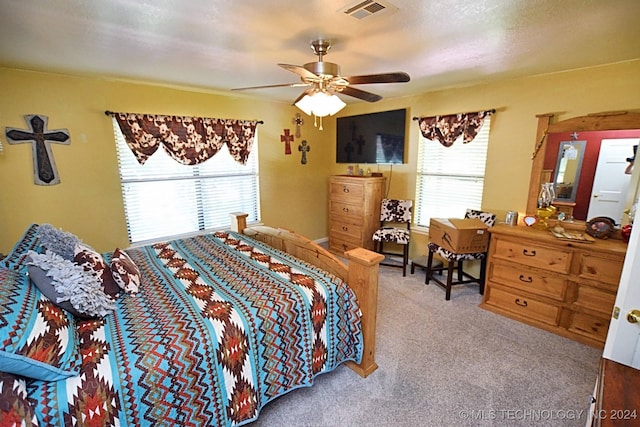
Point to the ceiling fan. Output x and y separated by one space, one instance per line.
324 77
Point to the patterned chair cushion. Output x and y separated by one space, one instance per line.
396 210
453 257
486 217
392 234
37 338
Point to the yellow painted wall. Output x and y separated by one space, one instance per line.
88 201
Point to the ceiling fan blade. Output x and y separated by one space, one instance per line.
306 92
360 94
301 71
397 77
269 86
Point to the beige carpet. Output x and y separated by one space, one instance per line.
448 363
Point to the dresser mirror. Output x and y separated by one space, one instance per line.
589 123
567 171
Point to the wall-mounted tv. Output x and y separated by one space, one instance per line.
371 138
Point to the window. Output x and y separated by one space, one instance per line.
164 198
450 180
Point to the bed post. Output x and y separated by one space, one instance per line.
238 221
363 279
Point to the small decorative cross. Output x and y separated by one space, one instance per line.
287 139
44 166
298 121
574 136
304 149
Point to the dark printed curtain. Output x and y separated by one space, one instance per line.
446 129
189 140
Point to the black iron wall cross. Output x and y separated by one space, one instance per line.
44 166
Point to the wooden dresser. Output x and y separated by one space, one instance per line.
563 287
354 211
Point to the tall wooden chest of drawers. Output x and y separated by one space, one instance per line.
561 286
354 211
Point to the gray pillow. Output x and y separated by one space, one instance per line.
70 283
45 283
58 241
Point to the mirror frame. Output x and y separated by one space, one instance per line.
620 120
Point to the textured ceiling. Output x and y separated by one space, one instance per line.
224 44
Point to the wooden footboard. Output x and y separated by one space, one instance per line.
361 274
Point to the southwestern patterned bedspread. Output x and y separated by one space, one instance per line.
221 325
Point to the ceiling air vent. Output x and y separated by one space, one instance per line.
367 8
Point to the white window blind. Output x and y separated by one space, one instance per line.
165 199
450 180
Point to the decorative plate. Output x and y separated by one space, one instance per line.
601 227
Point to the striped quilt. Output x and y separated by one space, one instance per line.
221 326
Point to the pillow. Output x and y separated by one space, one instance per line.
93 262
71 283
37 338
58 241
125 272
44 283
15 408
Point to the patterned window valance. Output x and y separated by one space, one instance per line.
446 129
188 140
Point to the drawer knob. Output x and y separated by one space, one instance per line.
345 189
345 209
526 279
345 228
521 303
527 252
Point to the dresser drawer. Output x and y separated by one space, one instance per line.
339 244
523 306
603 270
346 191
552 259
341 211
346 231
589 325
520 277
590 299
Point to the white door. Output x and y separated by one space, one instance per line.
623 339
610 183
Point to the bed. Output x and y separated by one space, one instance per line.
220 325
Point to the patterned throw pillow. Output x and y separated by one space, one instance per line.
125 272
15 409
92 261
37 338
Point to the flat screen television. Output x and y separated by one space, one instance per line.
371 138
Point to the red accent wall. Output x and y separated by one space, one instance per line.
589 162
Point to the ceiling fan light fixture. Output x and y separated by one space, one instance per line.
320 104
